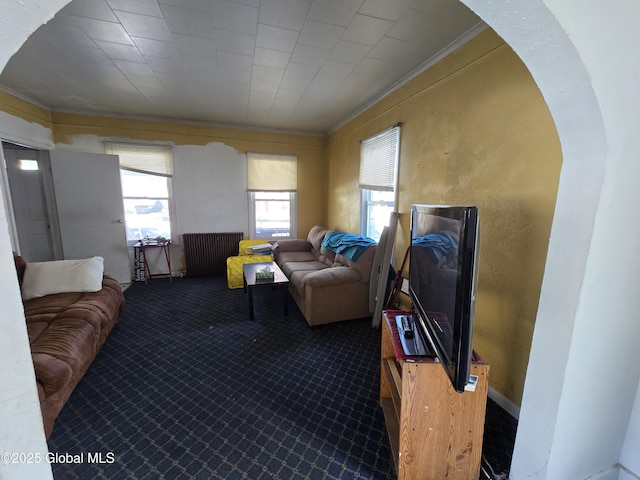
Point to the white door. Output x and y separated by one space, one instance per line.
24 173
90 209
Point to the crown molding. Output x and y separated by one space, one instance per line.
446 51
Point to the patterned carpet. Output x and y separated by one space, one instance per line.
187 387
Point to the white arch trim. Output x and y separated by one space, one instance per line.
534 33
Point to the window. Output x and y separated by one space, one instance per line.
272 183
145 174
378 180
26 164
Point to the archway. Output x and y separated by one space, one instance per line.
531 29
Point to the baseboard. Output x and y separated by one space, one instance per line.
504 403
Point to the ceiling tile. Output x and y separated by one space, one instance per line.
116 83
118 51
337 12
235 17
271 74
252 3
349 52
165 65
276 38
103 71
271 58
366 30
287 98
204 47
298 77
134 68
234 42
200 64
321 35
63 34
261 100
144 7
96 9
188 22
309 55
385 9
264 86
392 50
144 81
231 75
156 48
289 14
373 67
335 69
90 55
105 31
233 61
300 71
235 89
198 5
144 26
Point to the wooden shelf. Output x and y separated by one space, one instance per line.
434 431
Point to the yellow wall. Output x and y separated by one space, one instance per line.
309 149
476 130
25 110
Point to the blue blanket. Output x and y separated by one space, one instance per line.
437 244
347 244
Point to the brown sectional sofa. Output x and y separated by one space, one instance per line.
326 286
66 332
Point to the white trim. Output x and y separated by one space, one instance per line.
23 97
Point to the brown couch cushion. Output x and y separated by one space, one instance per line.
66 332
315 237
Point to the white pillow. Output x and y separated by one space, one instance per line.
60 276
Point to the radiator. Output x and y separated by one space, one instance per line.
206 253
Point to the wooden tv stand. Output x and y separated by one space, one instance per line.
434 431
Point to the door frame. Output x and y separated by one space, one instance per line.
49 196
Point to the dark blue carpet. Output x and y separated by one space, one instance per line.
187 387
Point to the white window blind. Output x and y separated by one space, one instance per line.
154 159
272 173
379 160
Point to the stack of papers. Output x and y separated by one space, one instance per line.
260 249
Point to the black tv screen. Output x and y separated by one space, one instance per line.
442 283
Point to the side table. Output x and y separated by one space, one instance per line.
250 282
142 269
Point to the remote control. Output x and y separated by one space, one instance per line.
407 326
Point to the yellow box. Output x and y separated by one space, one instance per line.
245 244
234 267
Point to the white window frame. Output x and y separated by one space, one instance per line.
252 218
367 204
379 159
272 173
115 148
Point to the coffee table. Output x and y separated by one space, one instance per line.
250 282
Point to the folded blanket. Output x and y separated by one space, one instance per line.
437 244
347 244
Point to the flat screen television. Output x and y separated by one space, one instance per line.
443 266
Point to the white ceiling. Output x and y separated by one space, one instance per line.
297 65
